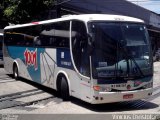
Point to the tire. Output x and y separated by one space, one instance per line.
15 72
64 89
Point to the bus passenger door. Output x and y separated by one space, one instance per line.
81 59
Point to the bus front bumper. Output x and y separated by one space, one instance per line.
110 97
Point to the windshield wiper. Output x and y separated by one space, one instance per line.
130 57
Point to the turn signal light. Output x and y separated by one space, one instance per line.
96 88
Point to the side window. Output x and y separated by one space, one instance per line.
62 34
34 35
19 37
48 35
79 47
55 35
7 37
29 33
12 38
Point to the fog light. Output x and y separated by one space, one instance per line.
149 94
101 98
96 98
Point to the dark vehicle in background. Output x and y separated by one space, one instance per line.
1 53
156 56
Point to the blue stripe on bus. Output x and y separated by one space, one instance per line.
64 58
18 52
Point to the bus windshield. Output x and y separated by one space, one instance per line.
120 50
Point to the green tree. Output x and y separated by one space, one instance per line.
22 11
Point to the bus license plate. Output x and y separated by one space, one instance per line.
128 96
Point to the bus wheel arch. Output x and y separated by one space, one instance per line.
63 85
15 71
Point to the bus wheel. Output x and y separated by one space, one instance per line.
15 72
64 89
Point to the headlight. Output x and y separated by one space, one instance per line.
148 85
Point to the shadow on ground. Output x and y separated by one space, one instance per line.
117 107
109 107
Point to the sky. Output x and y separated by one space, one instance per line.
153 5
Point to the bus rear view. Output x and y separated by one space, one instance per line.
121 61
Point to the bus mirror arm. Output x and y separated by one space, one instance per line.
90 44
123 43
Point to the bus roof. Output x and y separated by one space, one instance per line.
83 17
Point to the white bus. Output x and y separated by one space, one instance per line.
94 57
